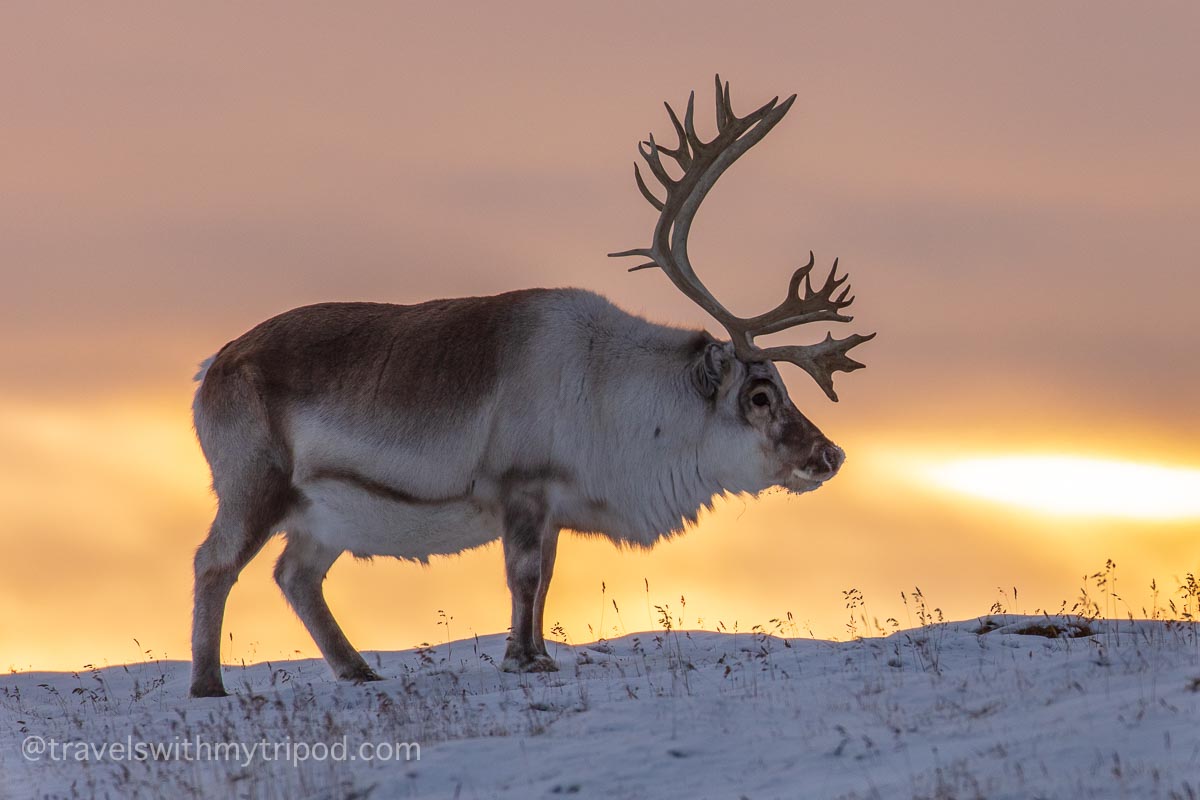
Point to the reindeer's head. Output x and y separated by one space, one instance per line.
755 433
739 376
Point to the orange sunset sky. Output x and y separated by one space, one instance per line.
1015 190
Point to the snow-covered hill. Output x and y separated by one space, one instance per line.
990 708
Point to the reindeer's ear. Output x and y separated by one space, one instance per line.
711 366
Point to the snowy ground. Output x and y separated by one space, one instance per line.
941 711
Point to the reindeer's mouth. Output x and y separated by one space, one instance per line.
800 482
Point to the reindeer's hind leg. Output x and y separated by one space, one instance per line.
252 479
299 573
245 520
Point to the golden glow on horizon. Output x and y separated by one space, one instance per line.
104 502
1075 486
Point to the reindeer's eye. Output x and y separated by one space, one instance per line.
760 399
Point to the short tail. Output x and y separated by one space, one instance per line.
203 369
199 379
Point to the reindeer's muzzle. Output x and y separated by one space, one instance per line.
823 461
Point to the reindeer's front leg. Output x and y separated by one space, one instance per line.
527 537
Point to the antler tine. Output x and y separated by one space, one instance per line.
703 163
649 151
821 360
645 190
689 126
832 282
761 112
724 112
801 275
681 154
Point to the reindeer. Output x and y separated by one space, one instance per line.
429 429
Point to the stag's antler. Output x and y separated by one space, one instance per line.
702 164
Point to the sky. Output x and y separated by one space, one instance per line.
1014 190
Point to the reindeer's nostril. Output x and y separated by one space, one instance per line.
825 461
833 457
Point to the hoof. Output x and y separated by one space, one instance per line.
536 663
207 690
363 674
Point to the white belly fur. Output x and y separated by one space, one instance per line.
346 517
